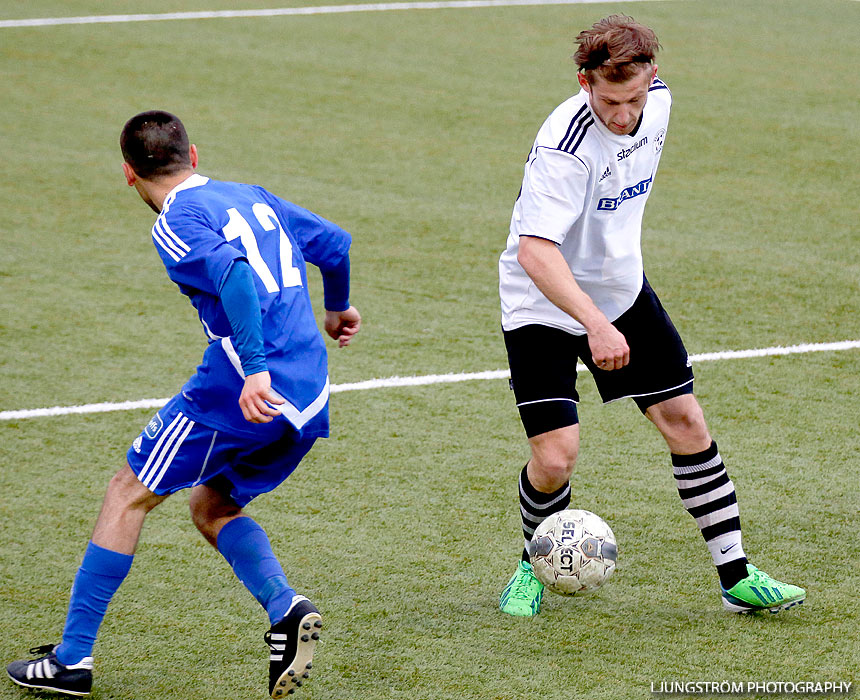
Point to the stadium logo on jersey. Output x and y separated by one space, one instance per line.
626 152
611 204
606 174
658 140
153 427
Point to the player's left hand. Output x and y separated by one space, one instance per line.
342 325
256 396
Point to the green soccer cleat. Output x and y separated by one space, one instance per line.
758 591
523 594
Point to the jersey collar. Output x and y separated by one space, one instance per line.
193 180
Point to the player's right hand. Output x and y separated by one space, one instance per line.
256 396
342 325
609 349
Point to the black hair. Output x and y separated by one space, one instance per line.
155 144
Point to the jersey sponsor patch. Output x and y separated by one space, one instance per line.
612 203
154 427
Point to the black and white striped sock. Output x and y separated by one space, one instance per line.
535 506
709 496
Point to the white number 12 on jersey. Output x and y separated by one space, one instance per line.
238 227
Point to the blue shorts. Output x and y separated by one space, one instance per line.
173 452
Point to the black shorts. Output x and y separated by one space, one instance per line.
543 366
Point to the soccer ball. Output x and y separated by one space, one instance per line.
573 551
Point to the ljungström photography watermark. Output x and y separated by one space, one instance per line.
776 688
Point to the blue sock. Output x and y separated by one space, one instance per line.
246 548
99 576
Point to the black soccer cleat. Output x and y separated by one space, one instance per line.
292 640
46 673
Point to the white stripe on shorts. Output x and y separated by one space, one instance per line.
206 460
560 398
154 485
649 393
163 449
154 453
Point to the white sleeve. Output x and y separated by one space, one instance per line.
553 197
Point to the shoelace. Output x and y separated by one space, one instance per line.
520 588
763 579
44 649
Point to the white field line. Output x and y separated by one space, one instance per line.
392 382
289 11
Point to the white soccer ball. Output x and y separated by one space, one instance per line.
573 551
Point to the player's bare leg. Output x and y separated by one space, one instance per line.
544 488
295 621
211 510
554 455
681 422
67 667
126 505
709 496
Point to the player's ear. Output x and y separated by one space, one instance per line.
193 153
130 175
583 82
654 73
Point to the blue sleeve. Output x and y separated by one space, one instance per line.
242 306
336 286
322 242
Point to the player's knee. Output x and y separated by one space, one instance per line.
552 465
125 491
208 507
684 422
202 514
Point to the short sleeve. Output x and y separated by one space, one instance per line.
194 253
553 196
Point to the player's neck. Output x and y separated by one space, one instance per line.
157 190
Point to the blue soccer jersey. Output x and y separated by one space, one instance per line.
206 225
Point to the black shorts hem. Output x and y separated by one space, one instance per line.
645 401
540 417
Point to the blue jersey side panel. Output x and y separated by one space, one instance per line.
191 235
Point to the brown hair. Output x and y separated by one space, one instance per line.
155 144
615 48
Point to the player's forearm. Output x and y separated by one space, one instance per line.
242 306
336 285
545 265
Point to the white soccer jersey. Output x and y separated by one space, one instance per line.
585 188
